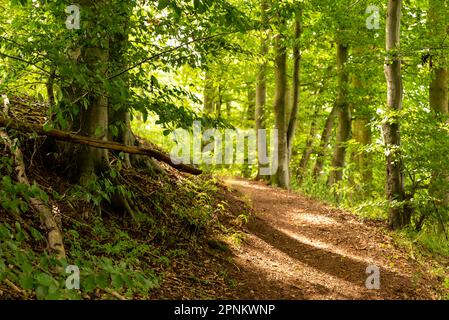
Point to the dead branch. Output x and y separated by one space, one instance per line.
55 241
97 143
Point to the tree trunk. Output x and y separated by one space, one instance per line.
251 108
362 135
281 178
438 90
94 121
398 216
208 107
308 150
119 114
344 117
325 138
261 95
296 82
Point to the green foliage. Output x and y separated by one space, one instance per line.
119 267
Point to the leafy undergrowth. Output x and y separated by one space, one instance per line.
174 248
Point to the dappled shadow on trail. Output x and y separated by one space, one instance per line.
296 248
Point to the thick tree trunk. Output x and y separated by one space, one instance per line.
398 215
438 89
94 121
281 178
344 117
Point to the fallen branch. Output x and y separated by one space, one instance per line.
14 287
55 241
97 143
115 294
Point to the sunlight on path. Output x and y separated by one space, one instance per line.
299 249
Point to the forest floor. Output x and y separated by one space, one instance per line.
297 248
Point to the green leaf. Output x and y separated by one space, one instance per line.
88 284
45 279
41 292
5 234
26 281
117 281
162 4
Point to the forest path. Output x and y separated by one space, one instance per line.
298 248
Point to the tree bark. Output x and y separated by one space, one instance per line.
296 83
308 150
325 138
119 113
362 134
261 93
344 117
438 90
398 216
281 178
208 100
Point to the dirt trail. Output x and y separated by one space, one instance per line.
296 248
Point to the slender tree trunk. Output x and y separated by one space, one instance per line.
281 178
308 150
398 216
208 94
344 117
219 101
119 113
296 82
228 109
251 97
261 94
325 138
361 133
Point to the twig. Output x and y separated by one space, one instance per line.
115 294
14 287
